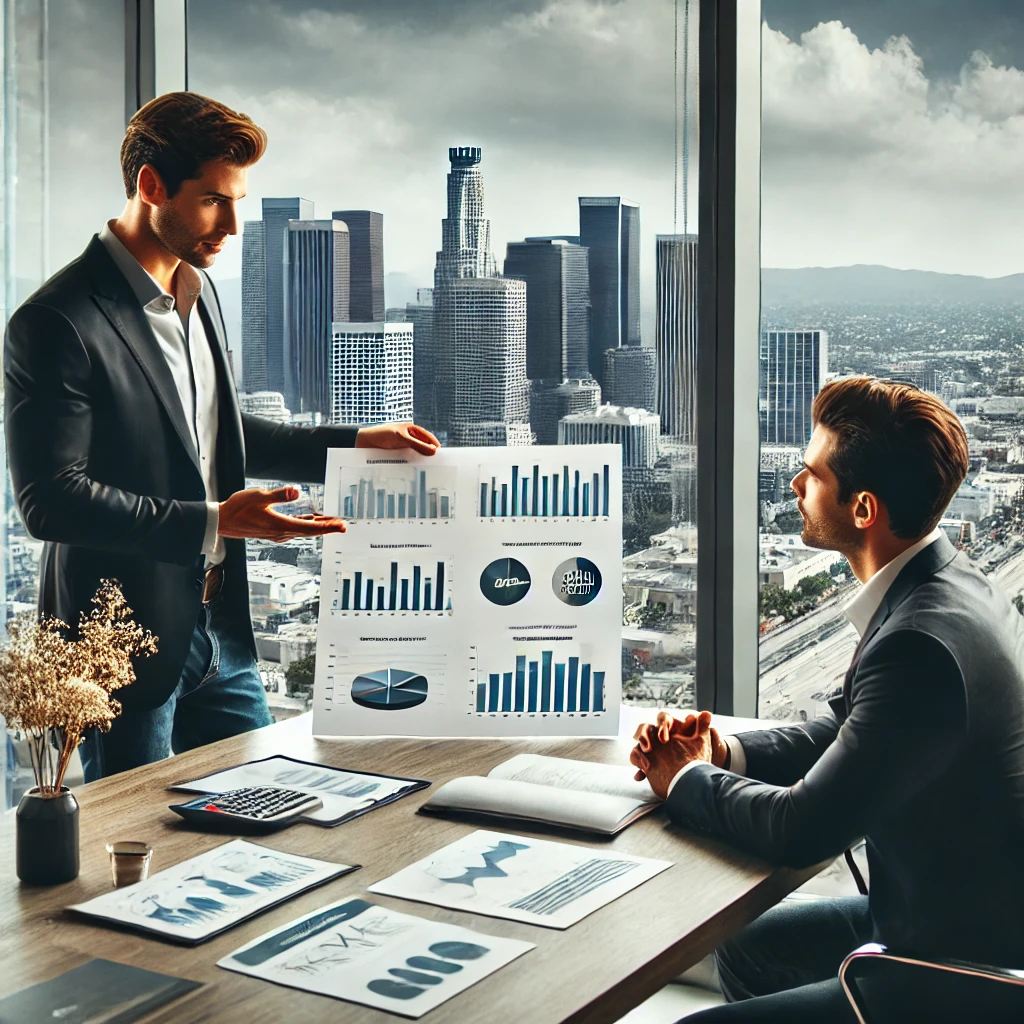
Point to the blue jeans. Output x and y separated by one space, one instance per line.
220 694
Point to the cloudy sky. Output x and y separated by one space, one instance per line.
892 133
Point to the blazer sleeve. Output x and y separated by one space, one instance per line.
279 451
48 420
782 756
907 723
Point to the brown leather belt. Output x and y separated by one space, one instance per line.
214 582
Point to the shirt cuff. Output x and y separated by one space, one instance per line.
212 523
737 762
738 759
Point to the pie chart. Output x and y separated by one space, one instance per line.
390 689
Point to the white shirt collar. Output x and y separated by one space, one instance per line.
862 608
148 291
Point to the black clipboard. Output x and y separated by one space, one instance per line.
415 785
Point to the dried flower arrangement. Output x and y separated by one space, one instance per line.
54 689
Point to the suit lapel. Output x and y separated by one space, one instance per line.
119 304
923 565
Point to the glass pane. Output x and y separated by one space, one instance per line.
518 185
891 152
63 120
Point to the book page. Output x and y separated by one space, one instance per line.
577 776
595 812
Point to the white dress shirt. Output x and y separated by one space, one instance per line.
179 332
860 611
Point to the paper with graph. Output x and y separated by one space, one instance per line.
519 878
477 591
364 953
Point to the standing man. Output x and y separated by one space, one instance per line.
924 750
128 452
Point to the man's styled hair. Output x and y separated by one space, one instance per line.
179 132
896 441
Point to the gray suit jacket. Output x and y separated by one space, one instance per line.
104 468
924 756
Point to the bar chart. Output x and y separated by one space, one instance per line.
400 585
544 491
403 491
548 683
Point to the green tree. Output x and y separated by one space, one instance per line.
298 677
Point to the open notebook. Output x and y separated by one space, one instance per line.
585 795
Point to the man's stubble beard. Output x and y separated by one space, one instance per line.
830 536
176 237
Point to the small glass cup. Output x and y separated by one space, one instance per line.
129 862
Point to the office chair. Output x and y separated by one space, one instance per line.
884 987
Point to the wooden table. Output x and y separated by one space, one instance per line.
596 970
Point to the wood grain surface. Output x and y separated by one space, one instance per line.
595 971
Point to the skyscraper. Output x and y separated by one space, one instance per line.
276 214
488 350
676 335
366 262
793 365
550 402
557 306
316 271
479 342
610 229
254 309
631 377
421 315
371 372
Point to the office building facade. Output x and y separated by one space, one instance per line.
371 372
549 402
631 377
254 309
366 263
636 430
317 278
276 214
610 230
676 335
421 315
792 370
488 355
557 306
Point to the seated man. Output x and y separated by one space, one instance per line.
923 754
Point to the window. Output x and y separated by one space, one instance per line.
517 182
891 154
63 120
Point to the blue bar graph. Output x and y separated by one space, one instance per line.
529 492
396 492
428 590
543 685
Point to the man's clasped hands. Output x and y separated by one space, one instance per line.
671 743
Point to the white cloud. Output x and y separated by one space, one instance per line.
867 161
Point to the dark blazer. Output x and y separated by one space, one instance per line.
104 468
924 756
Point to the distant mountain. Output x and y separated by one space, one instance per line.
875 285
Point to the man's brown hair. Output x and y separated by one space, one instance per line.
179 132
896 441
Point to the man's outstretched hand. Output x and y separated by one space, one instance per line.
670 743
398 435
248 514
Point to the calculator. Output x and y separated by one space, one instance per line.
253 809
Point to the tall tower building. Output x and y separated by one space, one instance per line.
676 335
631 377
421 315
316 272
557 306
276 214
366 261
792 370
610 229
479 342
488 335
371 371
254 309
